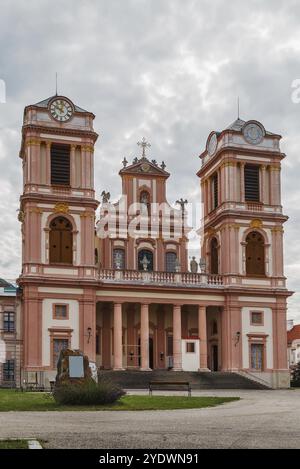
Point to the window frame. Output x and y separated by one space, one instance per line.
8 322
13 371
54 312
261 313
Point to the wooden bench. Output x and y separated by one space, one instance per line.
165 384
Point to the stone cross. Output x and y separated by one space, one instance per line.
182 203
144 144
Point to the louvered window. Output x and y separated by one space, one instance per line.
215 190
60 164
252 183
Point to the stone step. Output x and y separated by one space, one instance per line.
135 379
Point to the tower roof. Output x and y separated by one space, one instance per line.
238 124
45 102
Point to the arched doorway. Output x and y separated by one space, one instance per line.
214 256
255 254
61 241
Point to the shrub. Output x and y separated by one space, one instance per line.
87 393
295 376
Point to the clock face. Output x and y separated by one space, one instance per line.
253 133
212 144
145 167
61 110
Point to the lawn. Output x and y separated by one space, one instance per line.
11 400
13 444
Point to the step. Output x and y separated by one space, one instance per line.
136 379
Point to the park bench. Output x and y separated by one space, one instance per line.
169 384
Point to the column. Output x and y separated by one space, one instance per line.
203 338
118 336
177 361
145 337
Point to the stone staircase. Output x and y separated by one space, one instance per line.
135 379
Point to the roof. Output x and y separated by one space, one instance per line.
146 167
293 333
238 124
4 283
45 103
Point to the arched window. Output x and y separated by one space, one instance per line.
255 254
171 261
119 259
214 257
145 202
61 241
145 260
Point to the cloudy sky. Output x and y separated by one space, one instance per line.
169 70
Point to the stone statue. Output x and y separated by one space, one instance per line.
177 265
194 265
118 260
145 262
105 197
125 162
163 165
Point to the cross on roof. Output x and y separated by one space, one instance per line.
144 144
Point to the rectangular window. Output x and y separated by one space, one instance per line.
190 347
58 346
251 183
215 189
257 318
60 164
9 322
9 370
60 312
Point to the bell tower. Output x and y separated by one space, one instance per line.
240 187
57 212
242 241
58 201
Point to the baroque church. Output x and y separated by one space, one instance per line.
124 293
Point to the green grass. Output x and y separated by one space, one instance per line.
13 444
11 400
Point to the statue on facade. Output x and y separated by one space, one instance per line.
118 260
194 265
105 197
144 263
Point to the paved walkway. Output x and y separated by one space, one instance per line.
261 419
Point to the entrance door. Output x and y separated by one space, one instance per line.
150 353
215 365
257 357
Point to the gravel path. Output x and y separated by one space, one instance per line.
261 419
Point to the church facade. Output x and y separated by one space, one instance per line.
119 286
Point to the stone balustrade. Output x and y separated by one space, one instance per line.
184 278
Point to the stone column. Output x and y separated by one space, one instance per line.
203 338
145 337
118 336
177 359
